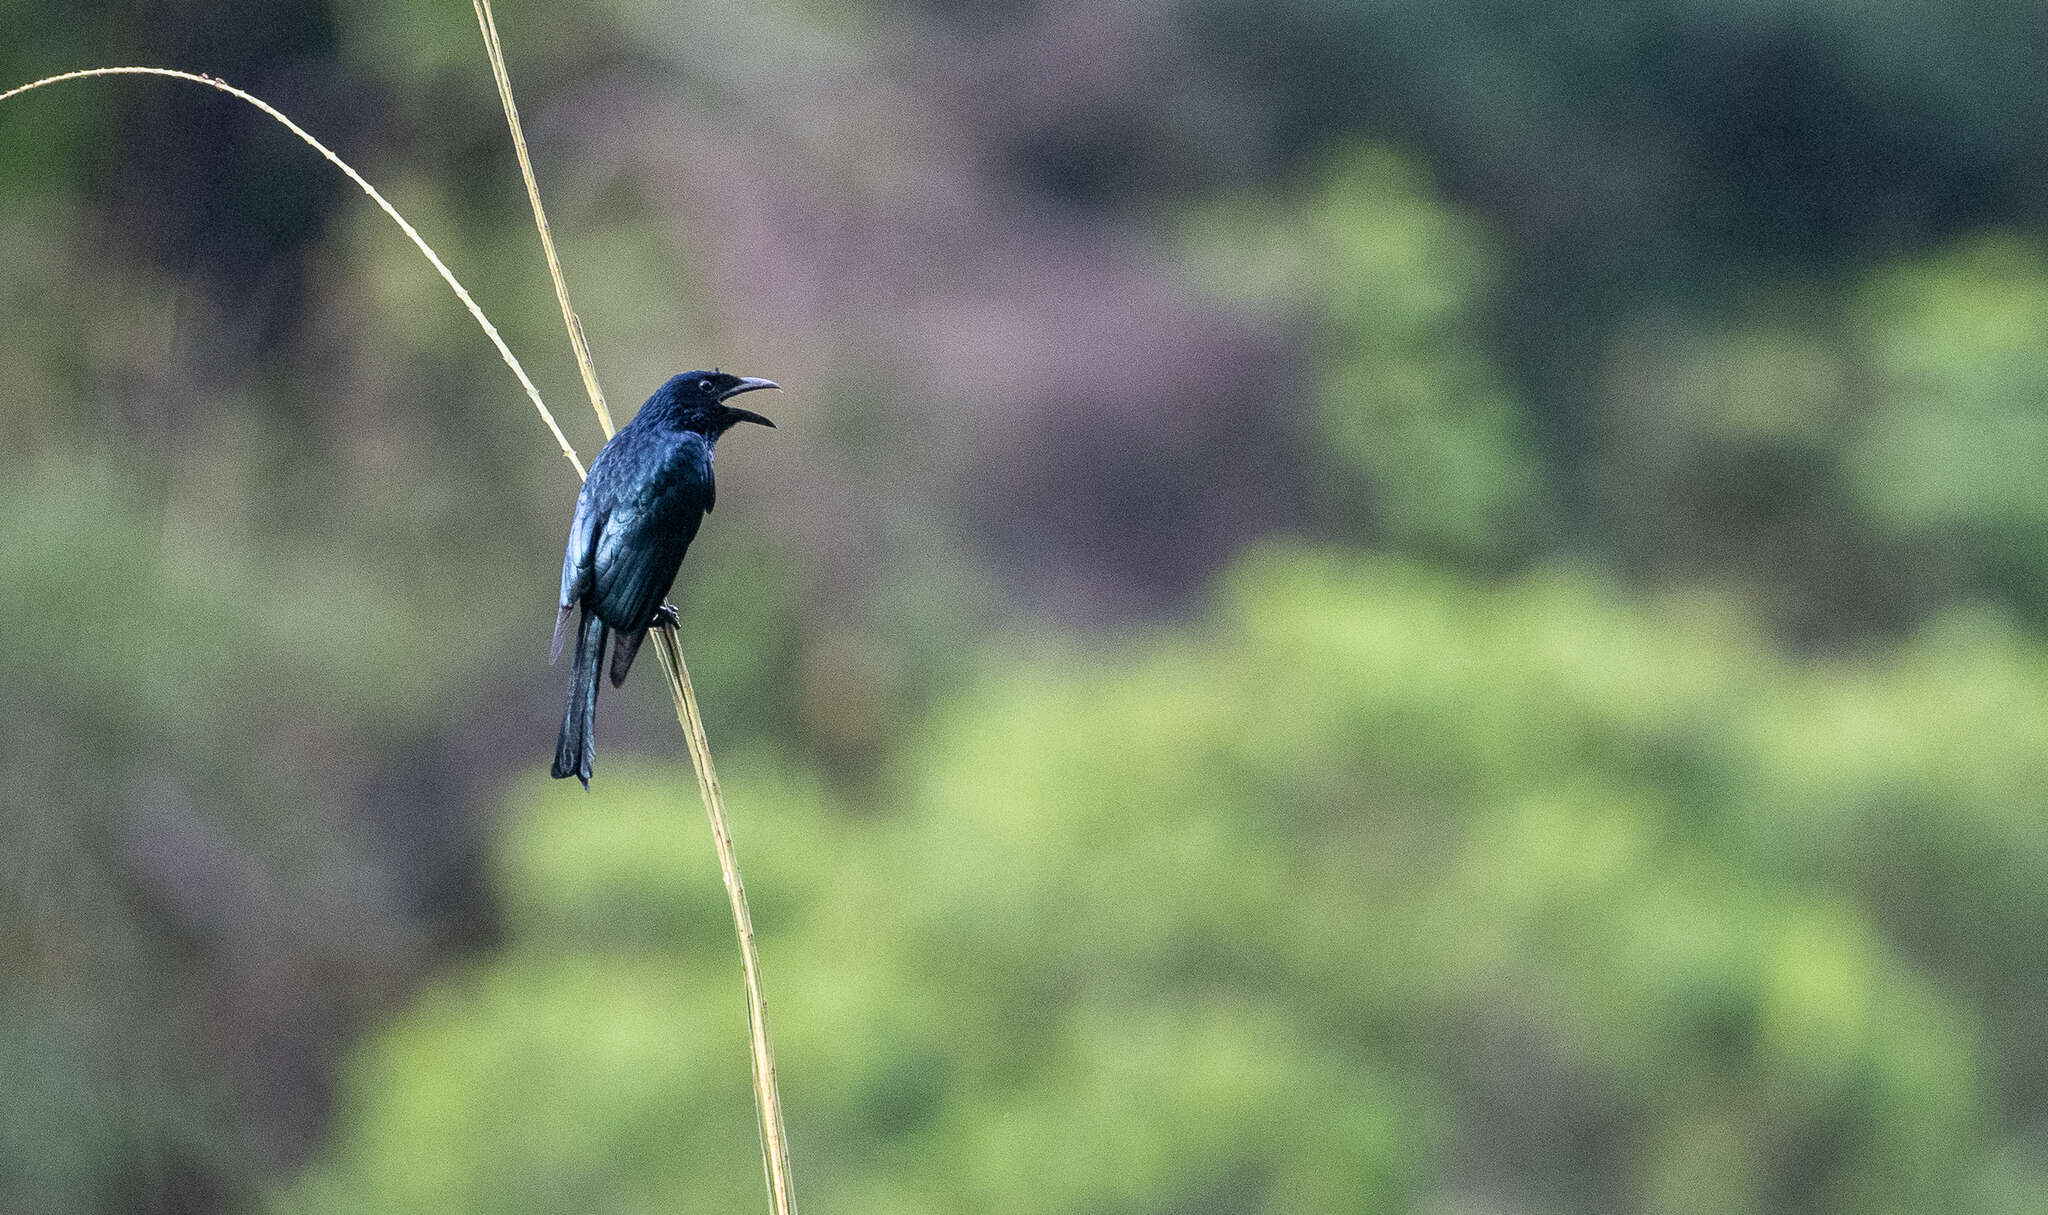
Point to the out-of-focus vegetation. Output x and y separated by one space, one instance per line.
1355 607
1375 889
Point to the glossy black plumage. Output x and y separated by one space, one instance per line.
646 494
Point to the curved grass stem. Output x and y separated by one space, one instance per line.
774 1141
447 275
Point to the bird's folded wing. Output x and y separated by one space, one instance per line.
579 556
634 568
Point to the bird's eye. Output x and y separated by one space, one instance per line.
707 385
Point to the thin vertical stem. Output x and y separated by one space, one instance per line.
488 22
667 646
767 1095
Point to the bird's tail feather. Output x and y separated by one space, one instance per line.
576 745
624 646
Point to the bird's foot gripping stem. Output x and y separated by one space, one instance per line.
666 616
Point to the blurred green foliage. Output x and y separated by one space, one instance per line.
1398 288
1951 458
1378 889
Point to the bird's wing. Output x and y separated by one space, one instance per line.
579 557
636 564
578 563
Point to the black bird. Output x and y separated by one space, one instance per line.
646 493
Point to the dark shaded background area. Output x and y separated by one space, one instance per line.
1355 606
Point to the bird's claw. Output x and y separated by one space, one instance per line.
666 616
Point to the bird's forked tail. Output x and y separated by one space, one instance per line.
575 746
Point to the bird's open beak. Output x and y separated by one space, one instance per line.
748 384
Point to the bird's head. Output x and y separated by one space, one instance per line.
699 400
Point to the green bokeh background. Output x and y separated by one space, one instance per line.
1355 607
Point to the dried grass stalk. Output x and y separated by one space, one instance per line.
447 275
774 1141
767 1096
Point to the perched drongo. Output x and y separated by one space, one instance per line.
646 493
